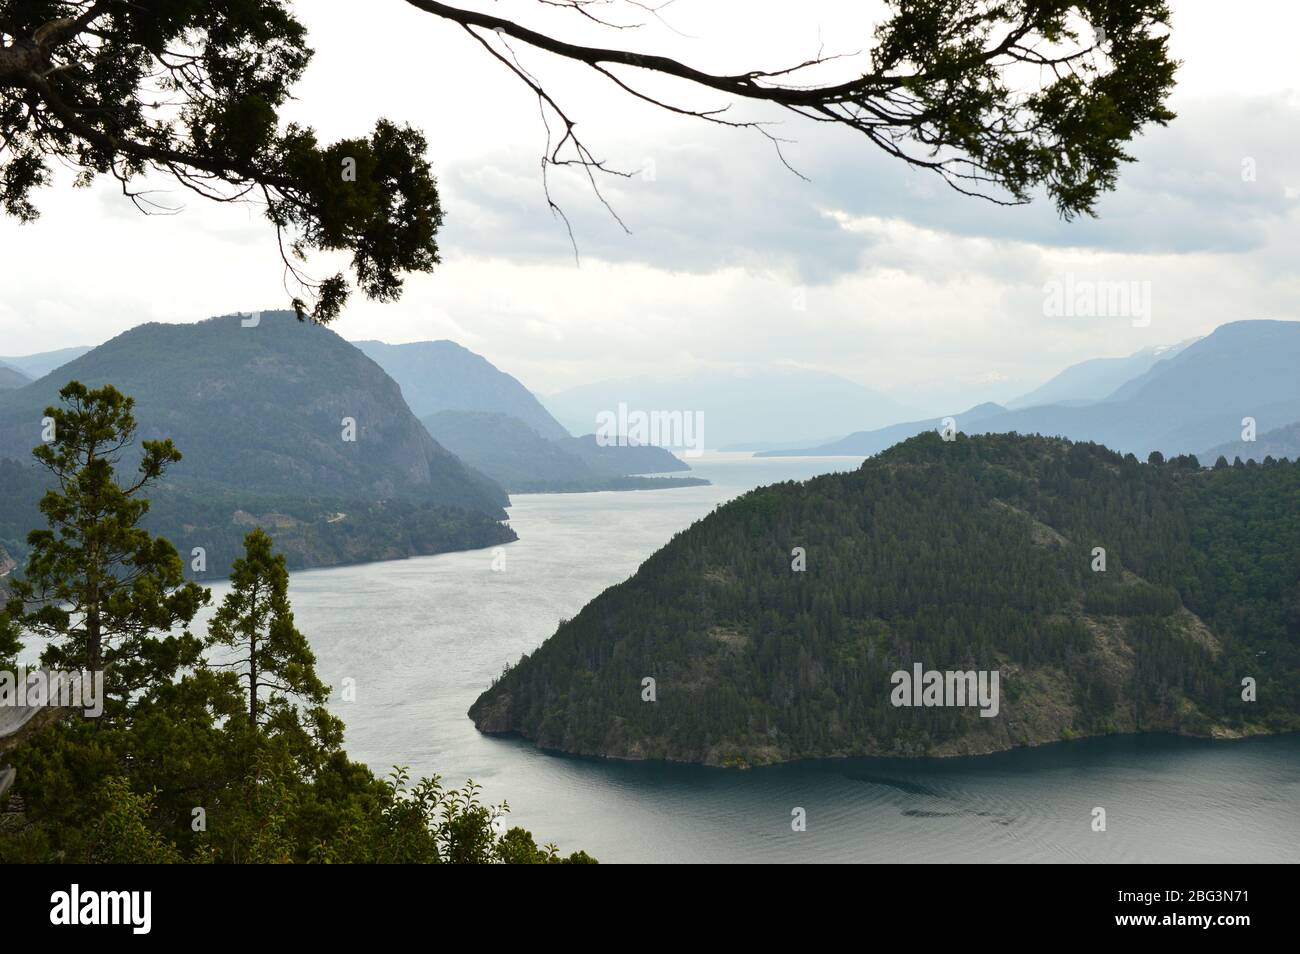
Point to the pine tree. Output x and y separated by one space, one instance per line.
104 593
272 656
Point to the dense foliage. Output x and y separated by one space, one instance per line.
260 410
193 91
973 554
309 531
206 750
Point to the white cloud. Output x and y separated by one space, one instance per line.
907 286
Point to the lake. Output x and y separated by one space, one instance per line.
423 637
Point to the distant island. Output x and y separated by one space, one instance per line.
1107 594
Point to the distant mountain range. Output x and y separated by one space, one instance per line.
443 376
288 426
495 424
1096 379
1191 401
740 409
35 366
263 409
866 443
260 413
1282 442
11 378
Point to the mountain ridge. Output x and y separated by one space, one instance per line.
1096 379
445 376
281 424
1185 403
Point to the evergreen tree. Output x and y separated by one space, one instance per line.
103 592
272 657
270 779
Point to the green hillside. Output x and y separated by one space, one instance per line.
961 556
311 532
260 413
263 409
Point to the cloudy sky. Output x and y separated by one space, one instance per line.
869 270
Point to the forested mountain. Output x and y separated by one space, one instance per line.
263 415
443 376
263 409
1097 378
36 366
310 531
11 378
866 443
739 408
971 555
522 461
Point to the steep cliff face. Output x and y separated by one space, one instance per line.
779 626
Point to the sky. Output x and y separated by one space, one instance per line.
869 270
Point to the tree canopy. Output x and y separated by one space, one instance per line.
975 554
184 764
1003 99
103 592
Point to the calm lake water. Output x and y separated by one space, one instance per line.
423 637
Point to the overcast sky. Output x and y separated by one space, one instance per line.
904 285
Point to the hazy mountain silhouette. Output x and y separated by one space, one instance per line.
1192 400
36 366
11 378
1097 378
866 443
740 409
518 458
443 376
1279 443
1189 402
